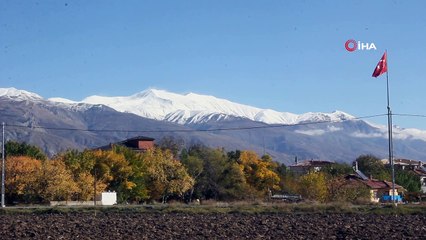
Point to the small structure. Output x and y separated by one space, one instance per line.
304 167
104 199
107 198
138 144
287 197
380 191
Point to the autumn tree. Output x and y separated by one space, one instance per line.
341 190
21 175
259 172
313 186
81 164
166 176
112 169
139 192
54 182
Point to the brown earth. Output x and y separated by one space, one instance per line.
211 226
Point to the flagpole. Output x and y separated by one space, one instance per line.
390 137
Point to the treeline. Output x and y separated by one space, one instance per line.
163 173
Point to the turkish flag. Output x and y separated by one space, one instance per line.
381 67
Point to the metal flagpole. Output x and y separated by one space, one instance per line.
390 138
2 169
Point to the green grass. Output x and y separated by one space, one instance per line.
225 208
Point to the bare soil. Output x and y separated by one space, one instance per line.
119 225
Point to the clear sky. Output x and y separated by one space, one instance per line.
283 55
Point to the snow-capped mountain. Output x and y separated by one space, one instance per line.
16 94
191 108
198 119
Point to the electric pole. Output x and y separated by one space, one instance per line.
2 168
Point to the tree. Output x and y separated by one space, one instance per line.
337 169
214 162
80 165
408 180
234 184
165 176
341 190
172 144
313 186
372 166
194 167
20 178
136 161
23 149
112 169
54 182
259 172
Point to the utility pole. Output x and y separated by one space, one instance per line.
2 168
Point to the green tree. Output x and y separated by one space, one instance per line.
408 180
337 169
23 149
214 162
136 161
195 168
372 166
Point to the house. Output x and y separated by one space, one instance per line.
304 167
405 164
421 172
380 191
417 167
138 144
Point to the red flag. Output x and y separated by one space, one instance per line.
381 67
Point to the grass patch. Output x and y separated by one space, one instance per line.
225 208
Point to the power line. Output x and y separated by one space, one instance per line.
194 130
409 115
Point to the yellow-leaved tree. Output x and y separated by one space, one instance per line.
259 172
166 176
54 182
313 186
21 175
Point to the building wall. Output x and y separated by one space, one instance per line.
373 196
145 144
423 182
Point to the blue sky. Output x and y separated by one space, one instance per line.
283 55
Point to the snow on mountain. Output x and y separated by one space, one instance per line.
20 95
61 100
163 105
195 108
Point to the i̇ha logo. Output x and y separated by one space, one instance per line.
352 45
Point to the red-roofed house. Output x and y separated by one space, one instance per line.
380 191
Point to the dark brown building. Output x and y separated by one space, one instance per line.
138 144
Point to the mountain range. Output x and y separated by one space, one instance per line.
57 124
